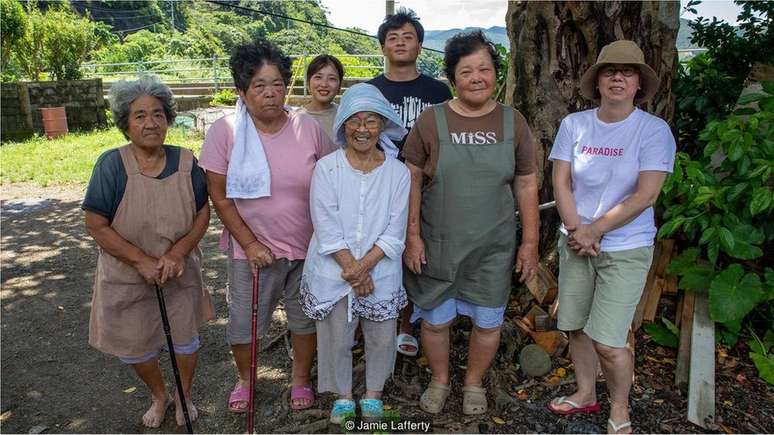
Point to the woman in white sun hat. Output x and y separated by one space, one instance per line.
610 163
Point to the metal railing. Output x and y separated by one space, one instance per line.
213 73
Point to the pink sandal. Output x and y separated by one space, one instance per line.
238 396
303 394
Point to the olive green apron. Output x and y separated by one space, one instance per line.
468 222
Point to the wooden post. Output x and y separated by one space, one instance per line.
701 384
684 348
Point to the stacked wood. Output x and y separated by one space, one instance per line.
657 283
539 313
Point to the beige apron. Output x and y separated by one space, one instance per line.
153 215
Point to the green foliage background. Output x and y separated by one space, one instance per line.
61 40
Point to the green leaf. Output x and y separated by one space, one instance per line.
708 235
712 251
768 86
685 260
737 190
768 340
760 201
745 251
726 239
661 334
756 347
733 294
670 227
671 326
749 98
697 278
765 366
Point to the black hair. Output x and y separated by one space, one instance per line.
321 62
465 44
247 59
397 20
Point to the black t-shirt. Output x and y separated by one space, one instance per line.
410 98
108 181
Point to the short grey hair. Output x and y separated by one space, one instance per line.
124 92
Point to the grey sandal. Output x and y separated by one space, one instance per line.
473 400
434 397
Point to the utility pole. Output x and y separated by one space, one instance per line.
389 9
172 14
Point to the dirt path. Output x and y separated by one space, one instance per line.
51 377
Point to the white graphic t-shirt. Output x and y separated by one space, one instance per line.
606 160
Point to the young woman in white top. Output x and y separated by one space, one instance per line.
609 165
353 272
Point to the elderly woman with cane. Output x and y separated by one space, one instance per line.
353 273
146 207
259 164
609 165
471 161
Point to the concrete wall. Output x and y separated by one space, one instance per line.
21 103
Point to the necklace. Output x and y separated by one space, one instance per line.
145 164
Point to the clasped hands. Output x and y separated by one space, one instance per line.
358 276
584 239
158 271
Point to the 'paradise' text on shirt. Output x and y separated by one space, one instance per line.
602 151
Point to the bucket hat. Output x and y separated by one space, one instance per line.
621 52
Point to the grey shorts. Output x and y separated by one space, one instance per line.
282 278
600 294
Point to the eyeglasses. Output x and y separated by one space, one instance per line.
626 71
370 123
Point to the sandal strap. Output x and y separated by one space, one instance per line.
617 427
563 399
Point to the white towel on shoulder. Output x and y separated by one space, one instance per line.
248 175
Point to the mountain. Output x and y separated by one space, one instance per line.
437 38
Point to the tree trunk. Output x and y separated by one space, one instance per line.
554 43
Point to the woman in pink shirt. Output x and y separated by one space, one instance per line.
270 229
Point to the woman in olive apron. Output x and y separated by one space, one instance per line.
471 159
146 207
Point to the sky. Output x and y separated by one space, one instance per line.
449 14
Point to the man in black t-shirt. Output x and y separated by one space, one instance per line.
409 92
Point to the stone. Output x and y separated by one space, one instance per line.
534 361
582 427
38 429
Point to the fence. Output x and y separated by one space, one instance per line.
208 76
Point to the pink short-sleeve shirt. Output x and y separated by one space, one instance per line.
282 221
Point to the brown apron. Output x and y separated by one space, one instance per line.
153 215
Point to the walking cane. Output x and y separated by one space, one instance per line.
253 333
172 358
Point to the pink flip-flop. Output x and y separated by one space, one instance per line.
239 395
574 407
302 393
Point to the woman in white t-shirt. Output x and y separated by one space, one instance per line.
610 163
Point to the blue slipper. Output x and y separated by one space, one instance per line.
342 408
371 408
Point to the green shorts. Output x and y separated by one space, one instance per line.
600 294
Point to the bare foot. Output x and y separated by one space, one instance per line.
193 413
154 416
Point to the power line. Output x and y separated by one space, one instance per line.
327 26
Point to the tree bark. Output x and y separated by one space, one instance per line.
554 43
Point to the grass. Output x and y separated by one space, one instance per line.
69 160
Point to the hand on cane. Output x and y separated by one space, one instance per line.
259 254
170 265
